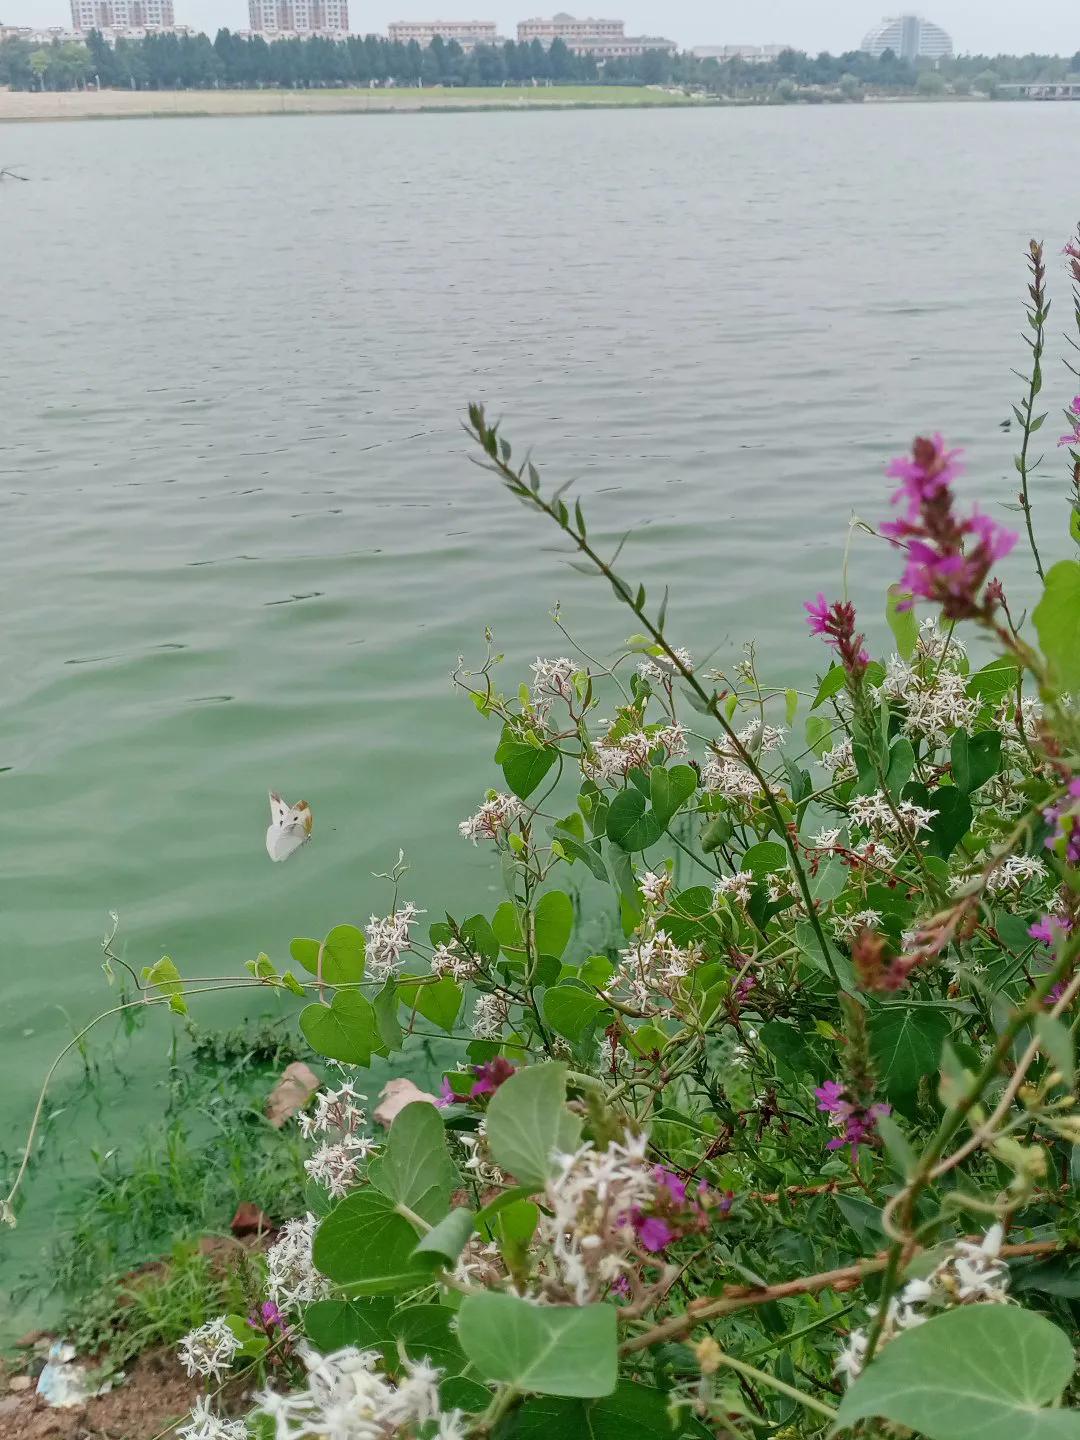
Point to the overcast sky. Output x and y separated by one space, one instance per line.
976 25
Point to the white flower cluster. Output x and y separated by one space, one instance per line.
660 670
970 1275
825 839
480 1164
209 1350
451 960
874 812
493 819
205 1425
553 679
653 963
347 1399
654 888
850 925
613 758
939 706
729 778
875 853
591 1197
1018 724
840 761
740 886
388 939
334 1110
1014 872
291 1277
337 1163
490 1014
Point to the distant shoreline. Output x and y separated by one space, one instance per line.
165 104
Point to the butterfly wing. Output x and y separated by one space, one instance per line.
289 828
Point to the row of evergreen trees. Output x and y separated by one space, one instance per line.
188 62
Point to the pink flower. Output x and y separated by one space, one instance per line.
837 623
818 611
943 564
1049 928
447 1096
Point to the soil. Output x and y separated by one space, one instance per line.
154 1398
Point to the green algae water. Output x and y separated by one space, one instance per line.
242 545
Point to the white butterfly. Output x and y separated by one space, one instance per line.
289 828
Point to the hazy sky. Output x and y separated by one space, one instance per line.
976 25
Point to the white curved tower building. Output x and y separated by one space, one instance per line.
910 37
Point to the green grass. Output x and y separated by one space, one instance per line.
154 1197
535 95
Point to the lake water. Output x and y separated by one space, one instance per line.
241 544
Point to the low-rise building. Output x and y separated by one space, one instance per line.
467 33
752 54
606 39
277 18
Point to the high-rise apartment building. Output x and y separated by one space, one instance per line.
298 17
604 38
467 33
910 37
121 15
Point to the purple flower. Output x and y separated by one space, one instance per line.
675 1187
653 1233
621 1286
859 1122
268 1317
490 1076
1049 928
447 1097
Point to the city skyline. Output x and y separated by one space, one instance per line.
976 25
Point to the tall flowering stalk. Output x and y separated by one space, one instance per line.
949 555
1036 313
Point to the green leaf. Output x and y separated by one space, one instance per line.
427 1333
864 1219
515 1225
385 1006
587 851
951 822
445 1241
414 1168
549 1349
506 924
572 1010
764 858
553 923
627 823
333 1324
306 953
1057 1043
979 1372
524 766
343 956
905 1044
596 971
994 681
832 684
1057 621
634 1412
343 1030
829 881
481 938
670 789
896 1145
527 1121
901 766
975 758
438 1001
819 730
791 706
164 976
365 1246
716 833
902 623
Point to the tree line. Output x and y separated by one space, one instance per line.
195 62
